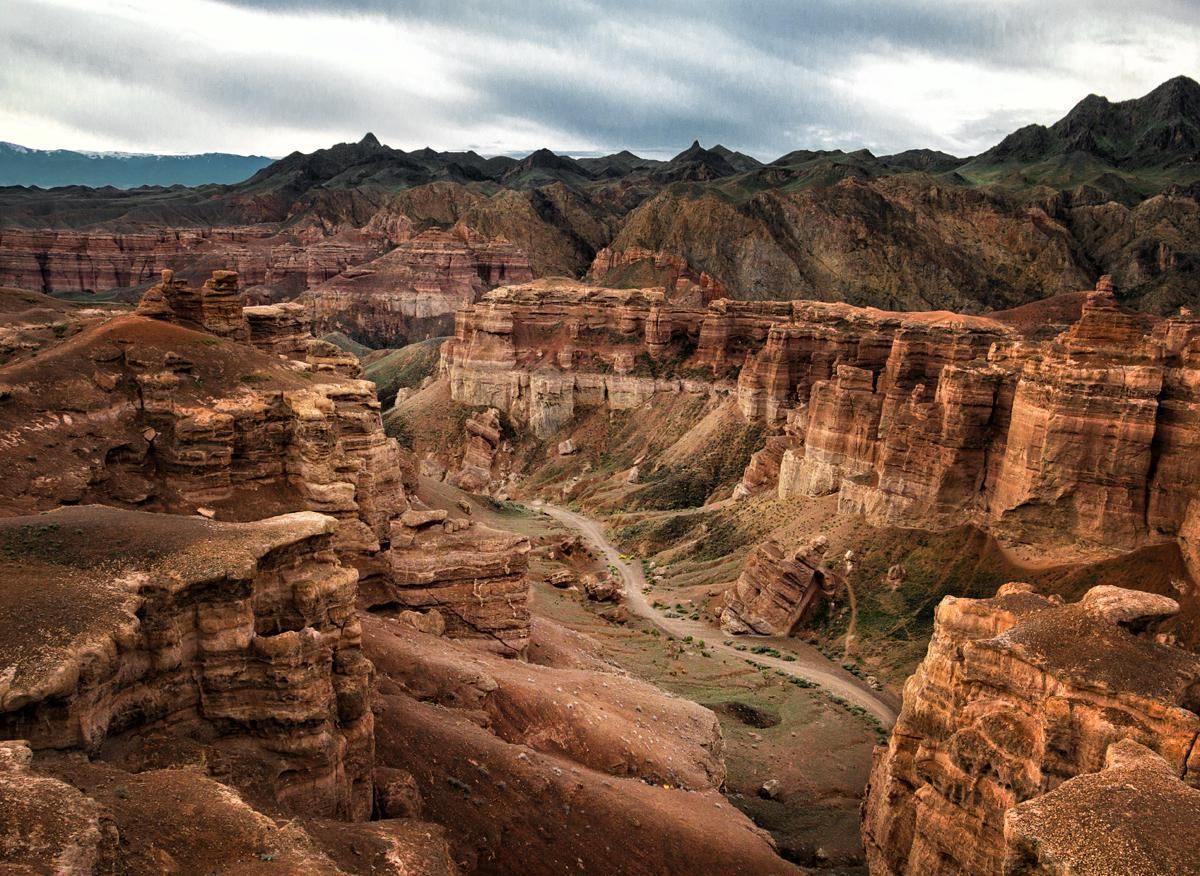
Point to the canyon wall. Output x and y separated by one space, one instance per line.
65 262
174 409
199 628
997 762
1085 441
412 293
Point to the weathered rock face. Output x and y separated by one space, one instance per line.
480 451
540 351
165 418
281 329
471 575
168 419
1135 816
412 293
777 590
682 283
1084 443
1020 695
215 307
69 261
64 813
241 637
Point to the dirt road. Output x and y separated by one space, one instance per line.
809 664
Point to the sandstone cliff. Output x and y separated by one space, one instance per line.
412 292
1019 696
186 659
170 411
914 419
68 261
195 624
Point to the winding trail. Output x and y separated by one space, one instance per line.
809 664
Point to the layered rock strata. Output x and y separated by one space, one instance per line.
473 576
777 590
412 292
1085 441
158 415
240 637
481 447
1005 730
62 261
215 307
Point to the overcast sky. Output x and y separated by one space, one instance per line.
579 76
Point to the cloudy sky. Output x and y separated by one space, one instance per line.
579 76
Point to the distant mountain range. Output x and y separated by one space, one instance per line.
1111 188
46 168
1155 138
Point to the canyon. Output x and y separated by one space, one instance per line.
1081 441
248 606
427 513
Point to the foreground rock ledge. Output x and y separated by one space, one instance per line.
239 637
1006 724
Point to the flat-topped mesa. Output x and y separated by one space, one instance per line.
412 293
215 307
237 638
1017 696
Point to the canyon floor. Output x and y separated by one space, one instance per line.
797 723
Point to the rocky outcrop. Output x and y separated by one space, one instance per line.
540 351
240 637
471 575
150 414
679 280
1126 819
480 452
777 590
998 753
412 293
283 330
216 307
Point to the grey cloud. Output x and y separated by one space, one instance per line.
765 77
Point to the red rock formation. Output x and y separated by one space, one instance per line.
412 293
777 590
1017 695
209 631
281 329
480 449
682 283
165 418
473 576
95 261
215 307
